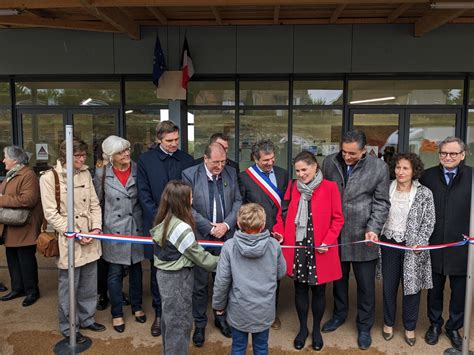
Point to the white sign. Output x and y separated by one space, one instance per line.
42 151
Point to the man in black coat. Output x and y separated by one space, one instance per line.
265 184
155 168
450 183
223 140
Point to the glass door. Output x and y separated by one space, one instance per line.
42 133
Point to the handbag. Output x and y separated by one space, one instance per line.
47 243
14 216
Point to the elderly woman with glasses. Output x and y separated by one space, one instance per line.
20 189
116 187
87 219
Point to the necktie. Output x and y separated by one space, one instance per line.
218 201
349 170
450 178
267 174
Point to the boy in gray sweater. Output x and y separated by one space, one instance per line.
245 286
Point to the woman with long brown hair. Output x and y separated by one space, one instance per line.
176 252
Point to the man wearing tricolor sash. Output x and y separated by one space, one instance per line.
264 183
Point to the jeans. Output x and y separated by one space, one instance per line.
240 340
115 284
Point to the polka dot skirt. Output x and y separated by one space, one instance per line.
305 262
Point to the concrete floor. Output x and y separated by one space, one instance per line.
34 330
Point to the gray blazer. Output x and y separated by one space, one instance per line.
122 214
365 202
197 178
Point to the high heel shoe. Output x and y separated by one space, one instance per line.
410 340
120 328
317 341
140 317
387 335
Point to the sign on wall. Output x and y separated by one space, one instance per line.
42 151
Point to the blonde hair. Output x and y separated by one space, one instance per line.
251 218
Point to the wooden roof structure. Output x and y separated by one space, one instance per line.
127 16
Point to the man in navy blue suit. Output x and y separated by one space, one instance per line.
156 167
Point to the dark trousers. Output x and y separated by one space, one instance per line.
318 304
364 272
456 303
392 272
23 269
240 341
277 296
155 291
102 276
115 283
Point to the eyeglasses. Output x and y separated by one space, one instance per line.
125 151
453 155
79 156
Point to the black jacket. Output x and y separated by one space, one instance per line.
453 208
251 192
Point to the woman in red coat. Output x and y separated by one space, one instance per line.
314 220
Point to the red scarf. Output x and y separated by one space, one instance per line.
123 175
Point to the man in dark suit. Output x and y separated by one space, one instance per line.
264 183
216 201
451 184
223 140
155 168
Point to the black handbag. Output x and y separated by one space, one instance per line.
14 216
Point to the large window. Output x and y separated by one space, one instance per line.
406 92
5 121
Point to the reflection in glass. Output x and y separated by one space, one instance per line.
42 128
427 130
215 93
264 93
5 135
406 92
141 130
204 123
318 92
68 93
5 94
93 128
470 138
318 131
142 93
471 92
260 124
381 130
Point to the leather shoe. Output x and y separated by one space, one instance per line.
79 338
387 335
30 299
95 327
3 288
156 327
140 318
318 345
364 340
432 335
221 323
102 303
332 324
12 295
456 339
199 336
276 323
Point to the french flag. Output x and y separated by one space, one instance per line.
187 65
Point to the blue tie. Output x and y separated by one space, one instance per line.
450 178
349 170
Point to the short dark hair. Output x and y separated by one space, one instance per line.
217 136
211 147
355 136
78 145
306 156
165 127
416 164
263 145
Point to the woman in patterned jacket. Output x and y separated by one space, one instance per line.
410 222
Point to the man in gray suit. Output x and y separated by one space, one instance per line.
363 182
216 201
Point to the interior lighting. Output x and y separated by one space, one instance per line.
129 111
373 100
86 101
9 12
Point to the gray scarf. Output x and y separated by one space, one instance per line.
306 191
13 171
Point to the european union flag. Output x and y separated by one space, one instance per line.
159 65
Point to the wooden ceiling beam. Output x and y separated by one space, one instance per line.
217 15
39 13
335 15
114 17
434 19
158 15
56 23
276 14
398 12
45 4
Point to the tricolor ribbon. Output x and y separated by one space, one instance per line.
136 239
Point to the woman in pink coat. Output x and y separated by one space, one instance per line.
313 220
